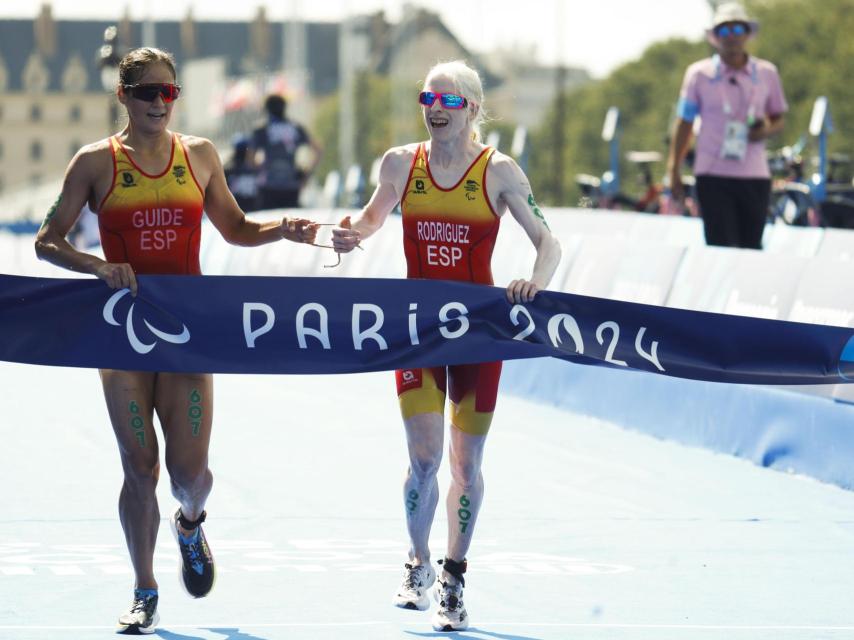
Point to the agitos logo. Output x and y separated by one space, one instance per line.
138 345
846 361
179 172
471 187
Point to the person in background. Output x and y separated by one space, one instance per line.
240 175
276 145
149 187
740 103
453 193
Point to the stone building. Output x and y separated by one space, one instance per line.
54 93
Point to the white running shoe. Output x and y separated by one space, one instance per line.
451 614
141 618
413 592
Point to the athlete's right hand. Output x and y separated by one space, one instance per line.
344 237
299 230
118 275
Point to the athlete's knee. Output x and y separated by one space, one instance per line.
141 473
465 472
424 464
189 476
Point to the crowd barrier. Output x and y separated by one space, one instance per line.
804 274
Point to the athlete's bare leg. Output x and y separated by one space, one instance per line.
425 439
465 494
130 403
184 404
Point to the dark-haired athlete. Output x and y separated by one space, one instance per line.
149 187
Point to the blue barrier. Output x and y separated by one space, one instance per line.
21 227
790 432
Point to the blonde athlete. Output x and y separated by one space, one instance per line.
149 187
453 192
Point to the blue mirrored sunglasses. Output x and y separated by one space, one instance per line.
448 100
727 30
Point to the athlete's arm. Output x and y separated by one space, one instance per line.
394 170
51 243
516 193
225 214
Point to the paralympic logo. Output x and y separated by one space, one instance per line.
138 345
846 361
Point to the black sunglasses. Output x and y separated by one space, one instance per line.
149 92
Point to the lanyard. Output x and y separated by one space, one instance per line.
754 77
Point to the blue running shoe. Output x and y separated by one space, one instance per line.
198 572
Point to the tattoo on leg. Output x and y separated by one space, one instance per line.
412 501
463 513
195 411
137 423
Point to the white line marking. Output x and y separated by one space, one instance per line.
481 625
67 570
21 627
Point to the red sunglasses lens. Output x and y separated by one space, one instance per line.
170 92
149 92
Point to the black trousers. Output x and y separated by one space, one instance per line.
734 210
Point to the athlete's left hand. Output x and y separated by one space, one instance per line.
344 237
520 291
299 230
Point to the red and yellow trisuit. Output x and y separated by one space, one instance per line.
449 234
152 222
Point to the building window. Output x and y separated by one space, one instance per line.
75 113
35 179
35 150
74 148
35 113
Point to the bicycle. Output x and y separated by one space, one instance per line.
825 199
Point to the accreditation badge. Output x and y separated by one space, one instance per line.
735 141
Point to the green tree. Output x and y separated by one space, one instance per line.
373 125
809 41
645 91
811 44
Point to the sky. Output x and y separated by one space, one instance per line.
597 35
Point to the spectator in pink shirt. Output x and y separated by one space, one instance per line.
739 102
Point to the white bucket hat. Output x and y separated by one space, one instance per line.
730 12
